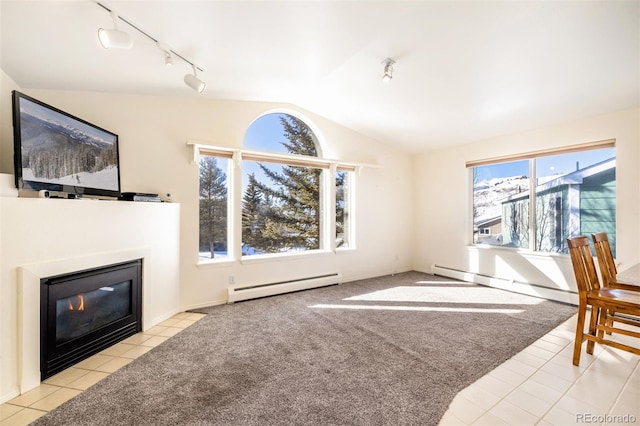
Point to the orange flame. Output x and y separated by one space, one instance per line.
80 306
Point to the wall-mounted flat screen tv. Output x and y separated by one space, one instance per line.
55 151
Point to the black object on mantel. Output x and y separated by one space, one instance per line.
139 196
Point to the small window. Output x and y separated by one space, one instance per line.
214 208
344 179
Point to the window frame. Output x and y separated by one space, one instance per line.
234 194
230 176
533 195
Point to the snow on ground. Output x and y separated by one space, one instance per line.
104 179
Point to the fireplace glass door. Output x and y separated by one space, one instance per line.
85 312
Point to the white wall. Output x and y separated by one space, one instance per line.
443 202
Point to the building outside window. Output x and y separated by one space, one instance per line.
539 202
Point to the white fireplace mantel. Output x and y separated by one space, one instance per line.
48 237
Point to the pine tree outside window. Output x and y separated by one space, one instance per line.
214 207
277 192
281 202
344 184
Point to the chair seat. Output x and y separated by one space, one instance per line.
617 297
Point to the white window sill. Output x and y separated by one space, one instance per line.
279 257
518 251
214 263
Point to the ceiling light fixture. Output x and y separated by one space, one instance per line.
194 82
190 79
114 39
168 59
388 70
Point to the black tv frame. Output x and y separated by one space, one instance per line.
74 191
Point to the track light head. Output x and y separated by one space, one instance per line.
388 70
168 59
194 82
114 39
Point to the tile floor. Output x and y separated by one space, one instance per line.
538 386
541 386
57 389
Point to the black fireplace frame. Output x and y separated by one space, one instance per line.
55 357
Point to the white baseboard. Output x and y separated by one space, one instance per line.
529 289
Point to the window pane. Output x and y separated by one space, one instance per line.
282 133
575 195
343 209
213 241
280 208
501 204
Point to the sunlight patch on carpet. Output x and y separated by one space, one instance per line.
420 309
444 295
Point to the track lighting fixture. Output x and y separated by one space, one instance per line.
168 59
114 39
388 69
193 81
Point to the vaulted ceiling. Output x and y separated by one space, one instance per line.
465 70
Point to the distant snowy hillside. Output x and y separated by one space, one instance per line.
489 194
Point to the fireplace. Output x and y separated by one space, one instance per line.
84 312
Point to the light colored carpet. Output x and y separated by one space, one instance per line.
390 350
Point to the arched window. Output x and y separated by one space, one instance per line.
291 199
281 197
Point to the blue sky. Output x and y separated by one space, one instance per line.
265 134
545 166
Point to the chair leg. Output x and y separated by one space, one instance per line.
595 313
577 346
604 320
609 322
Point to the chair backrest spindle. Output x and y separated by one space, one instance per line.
606 263
583 265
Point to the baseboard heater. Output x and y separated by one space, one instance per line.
565 296
245 292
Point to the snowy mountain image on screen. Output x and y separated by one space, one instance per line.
62 150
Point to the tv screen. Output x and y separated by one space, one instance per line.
55 151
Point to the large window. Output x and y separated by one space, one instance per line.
281 196
284 194
540 201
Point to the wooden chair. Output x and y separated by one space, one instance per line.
602 300
609 271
